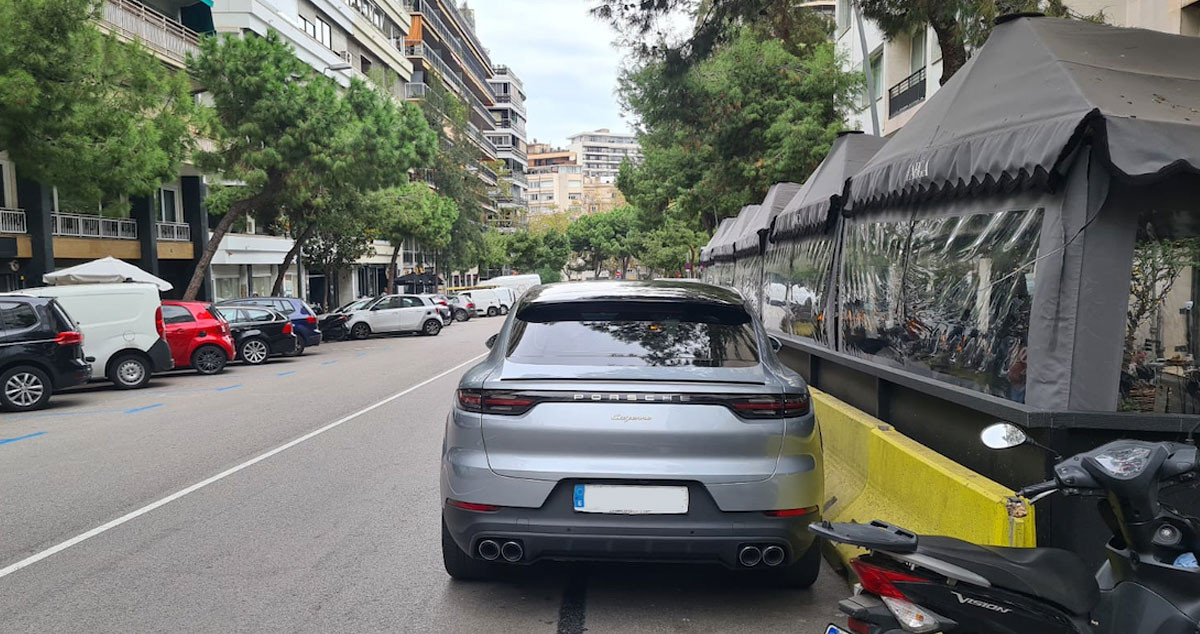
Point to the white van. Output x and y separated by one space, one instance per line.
122 328
487 301
518 283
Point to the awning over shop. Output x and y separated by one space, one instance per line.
809 209
1011 117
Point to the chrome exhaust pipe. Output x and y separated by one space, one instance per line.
512 552
489 550
749 556
773 555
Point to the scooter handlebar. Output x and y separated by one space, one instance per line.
1038 489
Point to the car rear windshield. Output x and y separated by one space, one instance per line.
634 334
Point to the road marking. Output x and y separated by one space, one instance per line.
5 441
288 373
132 515
361 355
142 409
329 362
227 388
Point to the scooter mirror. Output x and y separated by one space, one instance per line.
1003 436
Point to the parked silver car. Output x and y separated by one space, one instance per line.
632 421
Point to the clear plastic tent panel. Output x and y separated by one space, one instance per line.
796 286
946 297
776 273
748 278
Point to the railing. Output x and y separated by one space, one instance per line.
12 221
174 232
430 13
502 69
84 226
481 140
514 124
416 91
159 33
500 98
452 77
906 94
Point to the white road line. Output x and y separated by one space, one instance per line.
33 559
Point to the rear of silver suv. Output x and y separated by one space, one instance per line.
631 421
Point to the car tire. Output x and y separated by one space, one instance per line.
361 330
299 349
432 327
461 566
492 311
801 573
503 309
24 388
209 360
461 315
254 351
129 372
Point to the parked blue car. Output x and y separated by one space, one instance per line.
303 317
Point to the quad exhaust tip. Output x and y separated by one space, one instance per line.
773 555
512 552
489 550
749 556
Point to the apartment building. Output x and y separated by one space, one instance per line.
601 152
905 71
558 182
511 141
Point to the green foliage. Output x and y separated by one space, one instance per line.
83 111
667 250
414 212
534 251
717 137
599 237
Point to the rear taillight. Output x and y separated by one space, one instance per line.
158 322
472 506
312 320
287 328
858 627
471 305
791 512
787 406
490 402
882 581
69 339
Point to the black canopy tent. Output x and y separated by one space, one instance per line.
417 283
820 197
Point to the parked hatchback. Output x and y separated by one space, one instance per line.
198 335
396 313
259 333
41 352
303 317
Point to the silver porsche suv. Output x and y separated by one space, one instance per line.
632 421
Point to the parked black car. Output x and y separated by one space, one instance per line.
303 317
41 352
259 333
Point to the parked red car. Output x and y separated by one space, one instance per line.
198 336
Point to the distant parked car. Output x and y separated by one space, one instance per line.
304 318
259 333
41 352
122 328
443 307
487 301
396 313
463 308
199 337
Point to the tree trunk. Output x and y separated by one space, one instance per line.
391 271
288 259
950 41
236 211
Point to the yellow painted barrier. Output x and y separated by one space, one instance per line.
873 472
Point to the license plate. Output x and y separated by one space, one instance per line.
631 500
833 629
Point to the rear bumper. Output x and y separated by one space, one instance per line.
283 345
556 532
72 373
160 356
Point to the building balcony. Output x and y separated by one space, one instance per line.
163 36
419 50
84 226
174 231
512 124
453 38
12 221
906 94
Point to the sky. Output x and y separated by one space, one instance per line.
565 58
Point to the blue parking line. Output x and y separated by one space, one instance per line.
329 362
227 388
141 409
5 441
286 373
63 414
361 355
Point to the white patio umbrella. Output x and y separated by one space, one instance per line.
102 271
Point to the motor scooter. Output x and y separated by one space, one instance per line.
333 326
1149 583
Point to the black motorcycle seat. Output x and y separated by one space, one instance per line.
1051 574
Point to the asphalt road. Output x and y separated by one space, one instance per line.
301 496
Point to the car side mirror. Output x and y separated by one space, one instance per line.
1003 436
776 344
491 341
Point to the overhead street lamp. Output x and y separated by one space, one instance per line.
337 68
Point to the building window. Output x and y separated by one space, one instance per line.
916 55
365 62
318 29
166 200
308 27
876 76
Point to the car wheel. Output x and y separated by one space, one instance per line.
492 311
503 309
461 315
360 331
24 388
129 372
801 573
460 565
209 360
254 351
432 327
299 349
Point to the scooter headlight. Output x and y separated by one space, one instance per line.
1124 463
910 616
